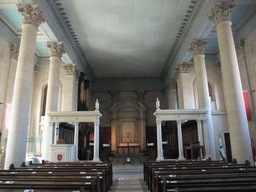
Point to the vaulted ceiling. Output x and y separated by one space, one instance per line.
125 38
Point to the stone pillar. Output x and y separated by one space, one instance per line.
197 48
70 91
56 133
200 132
56 51
76 134
96 135
172 94
173 97
32 18
96 147
180 141
159 140
185 88
233 95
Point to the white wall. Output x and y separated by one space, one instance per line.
247 67
6 65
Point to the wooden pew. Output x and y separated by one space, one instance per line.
39 172
105 180
149 164
169 178
106 165
216 184
175 165
148 173
47 186
189 169
60 181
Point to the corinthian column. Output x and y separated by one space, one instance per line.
17 137
56 52
232 87
197 48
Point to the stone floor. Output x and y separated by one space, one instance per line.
128 176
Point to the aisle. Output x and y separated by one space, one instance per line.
128 176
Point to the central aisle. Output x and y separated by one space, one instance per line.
128 176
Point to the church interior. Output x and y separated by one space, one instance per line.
99 80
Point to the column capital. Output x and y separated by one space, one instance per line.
183 67
37 69
56 49
240 47
221 12
70 69
14 51
31 14
178 121
197 46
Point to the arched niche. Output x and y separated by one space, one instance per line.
128 118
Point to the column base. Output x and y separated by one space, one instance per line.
159 158
181 158
96 160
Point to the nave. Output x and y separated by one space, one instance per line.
128 176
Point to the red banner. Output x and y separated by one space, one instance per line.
247 105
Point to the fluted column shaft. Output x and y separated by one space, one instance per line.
56 51
17 137
232 87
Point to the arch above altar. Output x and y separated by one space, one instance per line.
128 125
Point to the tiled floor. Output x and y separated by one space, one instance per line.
128 176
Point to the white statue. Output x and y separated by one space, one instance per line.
157 104
97 106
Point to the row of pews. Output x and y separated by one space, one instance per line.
60 176
199 175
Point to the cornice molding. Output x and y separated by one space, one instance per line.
243 20
199 28
8 23
178 43
56 23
